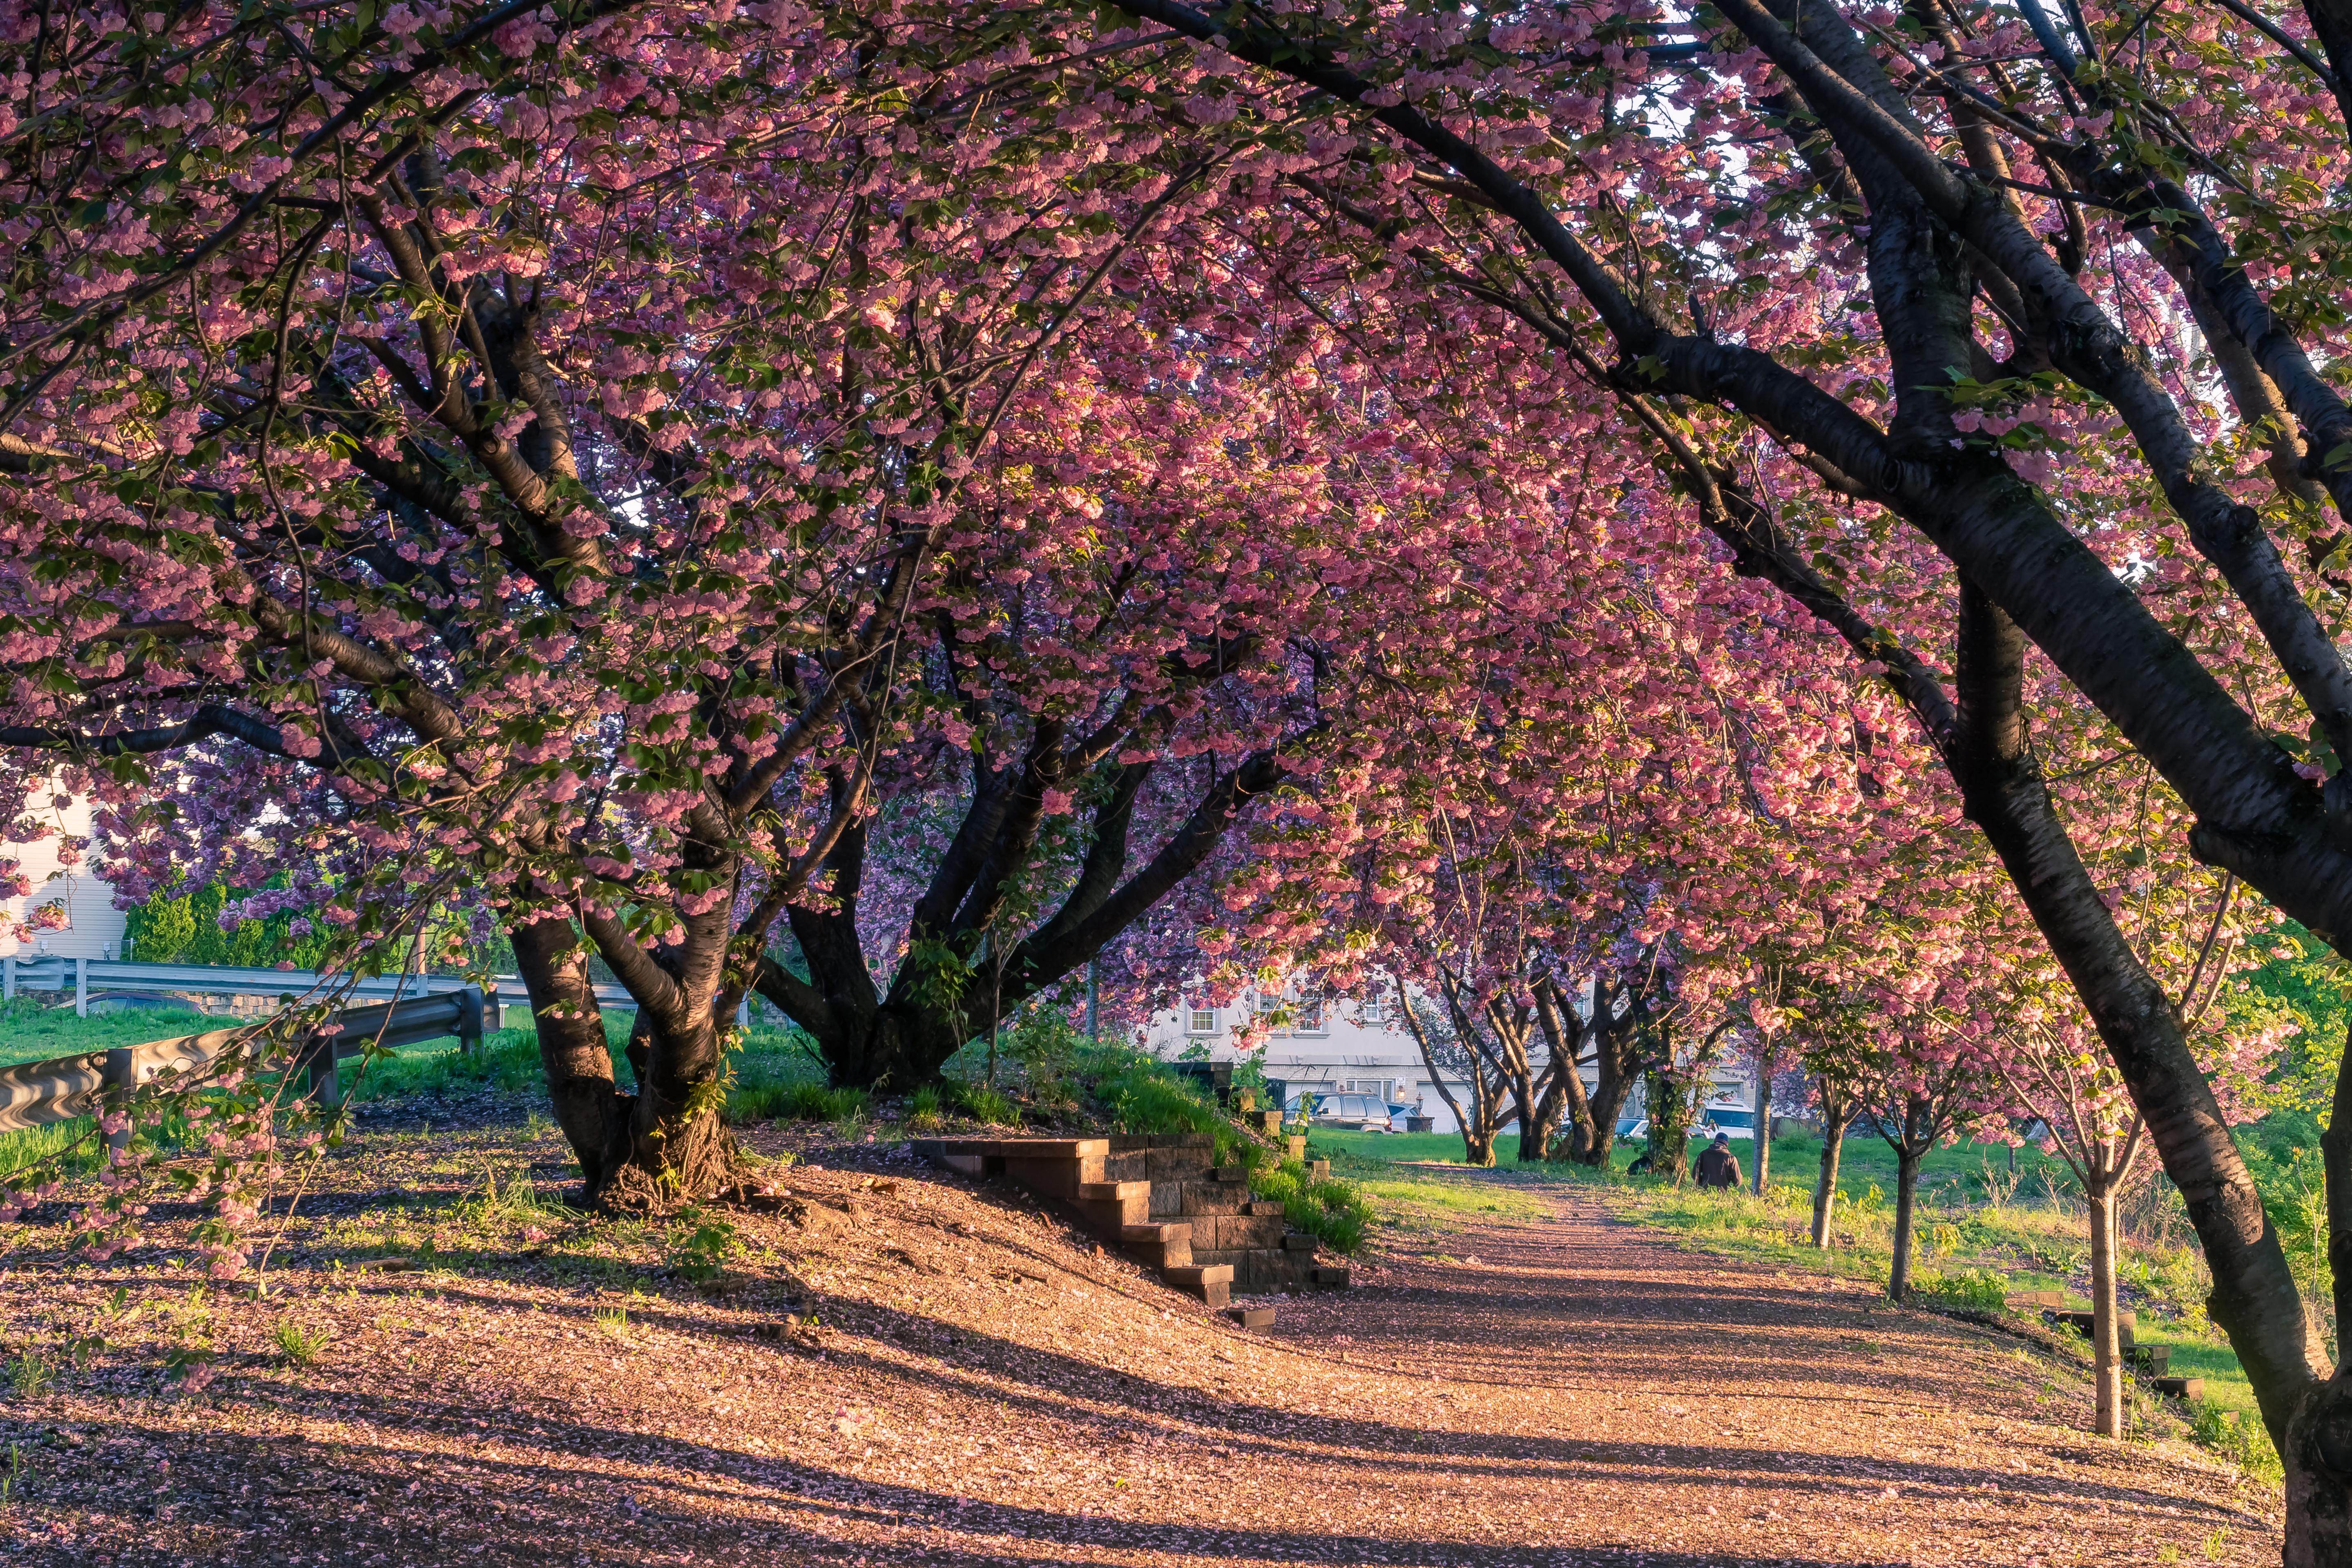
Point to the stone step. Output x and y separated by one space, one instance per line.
1212 1282
1117 1191
1252 1317
1157 1246
1298 1241
1330 1276
2179 1387
1263 1207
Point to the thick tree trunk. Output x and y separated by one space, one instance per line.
1670 1122
1825 1188
1906 1195
589 1106
1477 1146
1763 1126
893 1047
2106 1341
678 1145
1539 1123
1608 1108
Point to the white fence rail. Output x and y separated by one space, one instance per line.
87 977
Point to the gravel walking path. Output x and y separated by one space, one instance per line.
979 1389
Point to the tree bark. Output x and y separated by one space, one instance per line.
2106 1341
589 1106
1906 1193
1616 1056
1825 1188
1564 1034
1763 1125
1670 1121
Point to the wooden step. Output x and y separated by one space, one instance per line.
1252 1317
2179 1387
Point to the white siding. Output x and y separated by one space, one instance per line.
95 928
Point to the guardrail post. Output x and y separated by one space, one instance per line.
323 1088
120 1075
470 1020
81 987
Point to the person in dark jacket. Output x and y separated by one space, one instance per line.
1719 1166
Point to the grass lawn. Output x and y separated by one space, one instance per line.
30 1032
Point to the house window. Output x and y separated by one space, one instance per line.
1309 1012
1375 1010
1200 1021
1373 1086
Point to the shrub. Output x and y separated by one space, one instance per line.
703 1244
1970 1289
1332 1212
923 1108
2238 1438
988 1105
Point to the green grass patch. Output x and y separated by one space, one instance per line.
31 1032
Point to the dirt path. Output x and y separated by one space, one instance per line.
980 1390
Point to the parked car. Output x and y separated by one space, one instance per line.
1352 1112
1633 1127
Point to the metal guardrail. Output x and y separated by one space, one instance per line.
82 976
33 1093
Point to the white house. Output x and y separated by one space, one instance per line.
1343 1046
1348 1045
93 926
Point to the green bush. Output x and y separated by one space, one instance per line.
1141 1096
1970 1289
182 925
984 1104
1334 1213
2239 1437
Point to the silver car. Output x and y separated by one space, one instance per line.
1351 1112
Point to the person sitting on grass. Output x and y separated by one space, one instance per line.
1719 1166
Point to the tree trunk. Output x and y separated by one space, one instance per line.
1825 1188
1477 1144
589 1106
1907 1195
1541 1120
1763 1126
1670 1121
679 1145
2106 1343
